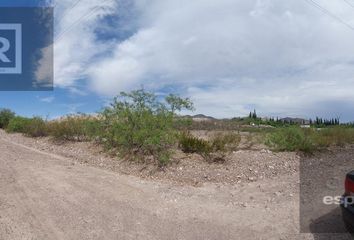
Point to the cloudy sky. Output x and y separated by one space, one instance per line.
283 58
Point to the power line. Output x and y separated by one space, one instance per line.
67 11
328 13
350 4
90 13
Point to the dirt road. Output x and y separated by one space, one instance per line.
46 196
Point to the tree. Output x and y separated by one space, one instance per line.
254 115
177 103
5 116
139 125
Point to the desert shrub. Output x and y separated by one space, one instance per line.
36 127
92 128
18 125
5 116
182 123
33 127
212 150
74 128
213 124
190 144
334 136
291 139
225 142
138 124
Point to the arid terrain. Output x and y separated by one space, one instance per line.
67 190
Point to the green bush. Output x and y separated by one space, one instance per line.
220 143
291 139
74 128
190 144
5 116
307 140
33 127
335 136
225 142
36 127
138 124
18 125
92 128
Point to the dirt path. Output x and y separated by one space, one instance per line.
46 196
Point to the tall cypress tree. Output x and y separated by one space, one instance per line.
254 114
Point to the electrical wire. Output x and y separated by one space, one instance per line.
88 14
350 4
328 13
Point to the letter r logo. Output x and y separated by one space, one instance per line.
5 47
10 48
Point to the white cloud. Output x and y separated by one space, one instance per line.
44 73
75 46
284 57
46 99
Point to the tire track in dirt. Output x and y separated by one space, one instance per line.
50 197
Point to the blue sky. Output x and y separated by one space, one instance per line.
284 58
49 104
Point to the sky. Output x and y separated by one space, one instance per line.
283 58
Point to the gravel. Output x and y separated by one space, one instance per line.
242 166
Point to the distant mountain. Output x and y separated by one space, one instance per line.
202 116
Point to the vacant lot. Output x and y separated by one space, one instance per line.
72 191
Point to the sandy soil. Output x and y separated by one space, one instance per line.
46 195
241 166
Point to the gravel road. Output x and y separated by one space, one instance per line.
47 196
